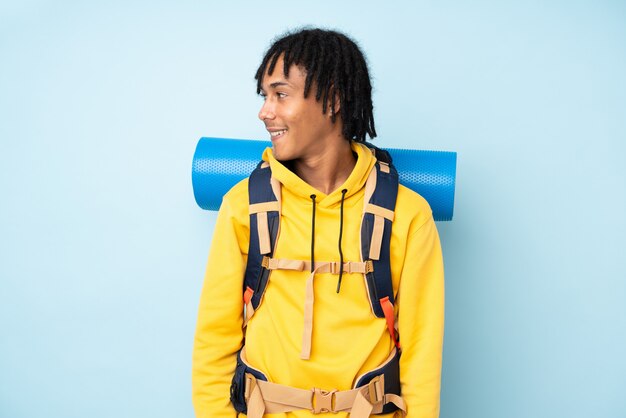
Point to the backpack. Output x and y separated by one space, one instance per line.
381 191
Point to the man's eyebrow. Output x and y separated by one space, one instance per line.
278 84
275 84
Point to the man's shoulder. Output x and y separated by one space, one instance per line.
236 199
411 207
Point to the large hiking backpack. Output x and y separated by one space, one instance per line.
381 191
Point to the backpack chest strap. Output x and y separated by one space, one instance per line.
331 267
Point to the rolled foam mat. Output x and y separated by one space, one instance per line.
219 163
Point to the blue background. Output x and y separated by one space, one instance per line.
102 248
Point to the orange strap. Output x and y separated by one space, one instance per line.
247 295
390 316
248 308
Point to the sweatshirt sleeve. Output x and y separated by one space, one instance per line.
219 332
420 322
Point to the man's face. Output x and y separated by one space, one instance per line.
298 128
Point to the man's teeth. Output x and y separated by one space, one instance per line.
278 132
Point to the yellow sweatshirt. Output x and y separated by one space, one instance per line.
347 340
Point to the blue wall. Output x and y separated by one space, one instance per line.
102 248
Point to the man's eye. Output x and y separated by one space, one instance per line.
281 95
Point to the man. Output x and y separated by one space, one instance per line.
315 327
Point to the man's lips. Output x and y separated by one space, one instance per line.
276 133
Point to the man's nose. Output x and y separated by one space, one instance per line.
267 110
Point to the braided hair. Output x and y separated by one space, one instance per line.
338 68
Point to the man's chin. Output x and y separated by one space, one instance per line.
280 156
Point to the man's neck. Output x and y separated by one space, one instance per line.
328 170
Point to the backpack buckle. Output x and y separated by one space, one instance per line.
323 400
369 266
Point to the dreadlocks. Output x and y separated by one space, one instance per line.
337 67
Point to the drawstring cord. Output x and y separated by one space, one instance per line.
307 330
343 196
313 235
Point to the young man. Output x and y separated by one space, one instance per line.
312 341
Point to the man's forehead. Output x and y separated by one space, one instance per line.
278 76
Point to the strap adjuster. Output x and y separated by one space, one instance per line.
265 262
376 389
323 400
250 385
369 266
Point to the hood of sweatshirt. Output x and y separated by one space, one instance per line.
355 181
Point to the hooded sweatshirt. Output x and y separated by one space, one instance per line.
347 339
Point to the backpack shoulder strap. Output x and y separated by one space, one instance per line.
264 209
381 192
